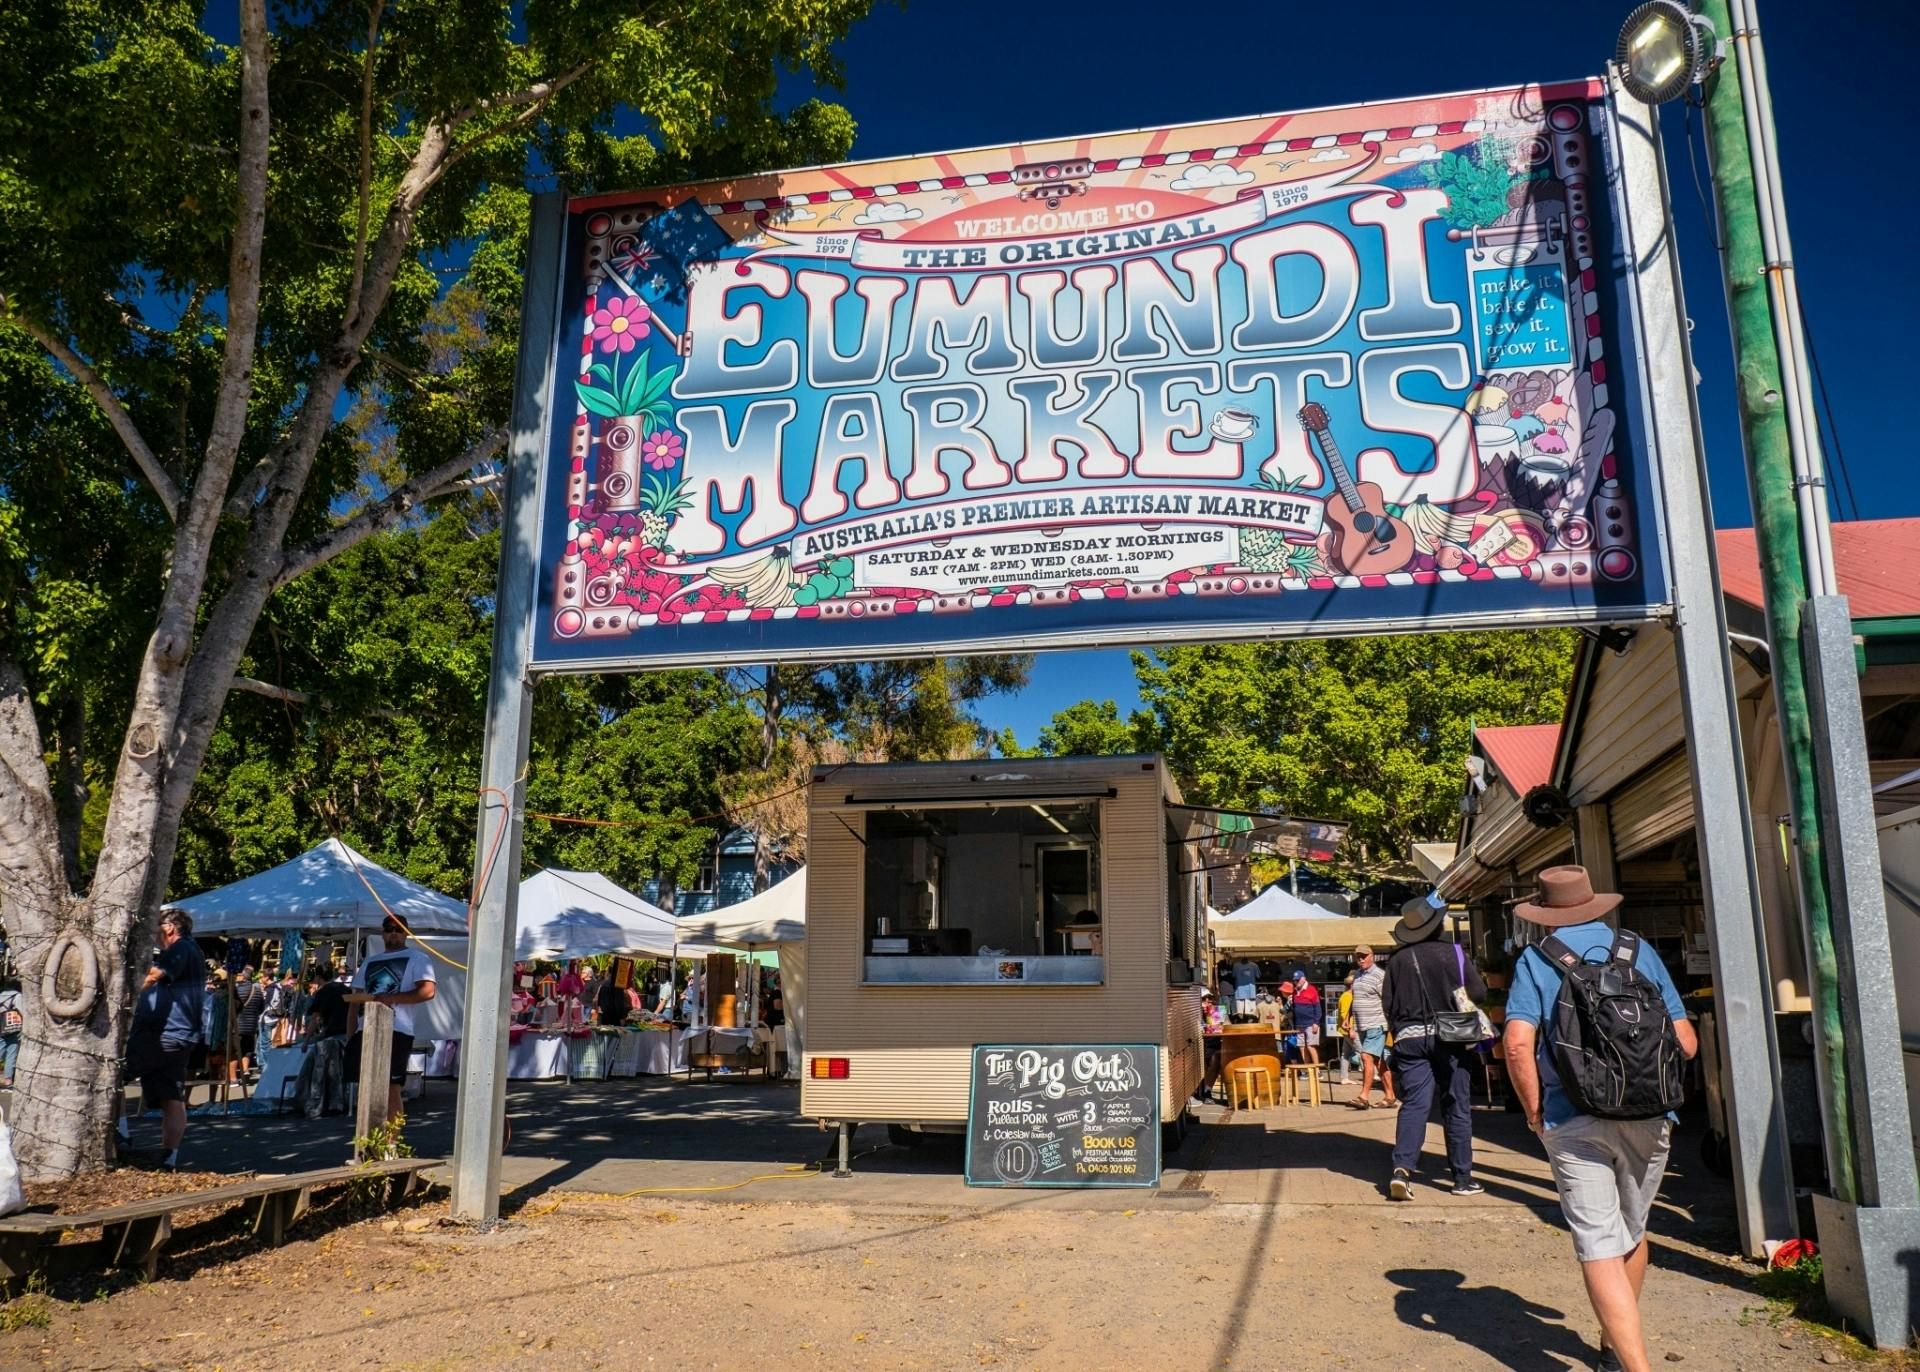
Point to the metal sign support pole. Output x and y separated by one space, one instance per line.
480 1116
1736 935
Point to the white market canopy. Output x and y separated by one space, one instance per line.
777 915
1276 902
582 915
330 889
1326 934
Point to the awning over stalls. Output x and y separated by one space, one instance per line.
777 915
583 915
1277 936
1274 903
330 889
776 918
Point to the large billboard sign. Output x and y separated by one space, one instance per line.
1338 371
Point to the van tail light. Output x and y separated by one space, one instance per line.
831 1069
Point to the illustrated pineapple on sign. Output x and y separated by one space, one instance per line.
1268 550
660 505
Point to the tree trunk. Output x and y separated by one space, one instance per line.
67 1082
70 784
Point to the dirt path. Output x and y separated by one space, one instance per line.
588 1282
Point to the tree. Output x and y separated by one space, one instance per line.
222 246
914 709
1367 730
1085 728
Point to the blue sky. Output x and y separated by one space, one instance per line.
955 73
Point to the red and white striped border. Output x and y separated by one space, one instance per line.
1105 164
1230 584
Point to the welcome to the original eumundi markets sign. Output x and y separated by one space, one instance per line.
1340 370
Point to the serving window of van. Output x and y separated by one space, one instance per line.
1004 895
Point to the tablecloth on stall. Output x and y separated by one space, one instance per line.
541 1055
646 1053
537 1056
279 1069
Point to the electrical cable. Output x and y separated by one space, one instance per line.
1833 424
1711 216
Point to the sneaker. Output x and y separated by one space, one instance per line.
1609 1362
1401 1187
1469 1187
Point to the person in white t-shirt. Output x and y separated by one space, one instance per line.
401 977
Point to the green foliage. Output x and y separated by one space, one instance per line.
647 752
1367 730
31 1309
118 188
1476 182
913 709
1087 728
385 1142
391 644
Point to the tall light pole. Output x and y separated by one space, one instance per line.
1873 1214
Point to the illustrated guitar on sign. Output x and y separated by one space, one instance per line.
1366 540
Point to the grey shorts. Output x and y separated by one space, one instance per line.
1607 1172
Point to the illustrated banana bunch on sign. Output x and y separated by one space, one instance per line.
766 582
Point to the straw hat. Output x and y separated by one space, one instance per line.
1420 920
1566 896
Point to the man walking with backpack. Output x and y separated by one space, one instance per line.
1596 1043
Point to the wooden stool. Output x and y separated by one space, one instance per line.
1248 1080
1298 1072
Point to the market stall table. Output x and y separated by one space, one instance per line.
649 1053
536 1055
279 1071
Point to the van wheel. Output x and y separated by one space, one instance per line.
1174 1132
902 1137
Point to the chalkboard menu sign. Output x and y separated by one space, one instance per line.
1064 1114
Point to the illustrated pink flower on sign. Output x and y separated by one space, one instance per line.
620 323
661 449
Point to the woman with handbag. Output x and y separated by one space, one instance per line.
1431 995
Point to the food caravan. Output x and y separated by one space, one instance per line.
1005 901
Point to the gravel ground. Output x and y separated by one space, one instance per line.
581 1281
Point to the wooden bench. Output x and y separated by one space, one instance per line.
133 1235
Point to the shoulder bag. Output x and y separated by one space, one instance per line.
1466 1022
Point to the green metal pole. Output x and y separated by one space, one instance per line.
1763 425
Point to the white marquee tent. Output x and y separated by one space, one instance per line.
777 915
1276 902
328 890
583 915
776 918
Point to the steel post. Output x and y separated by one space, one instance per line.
1866 1246
480 1117
1745 1023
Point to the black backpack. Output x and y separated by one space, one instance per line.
1612 1041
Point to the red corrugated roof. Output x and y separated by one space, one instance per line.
1521 753
1878 561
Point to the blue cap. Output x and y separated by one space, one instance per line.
1299 975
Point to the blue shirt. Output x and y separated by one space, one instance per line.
172 1005
1536 986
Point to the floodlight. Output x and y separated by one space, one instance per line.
1664 48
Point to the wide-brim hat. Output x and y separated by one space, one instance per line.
1566 896
1420 920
